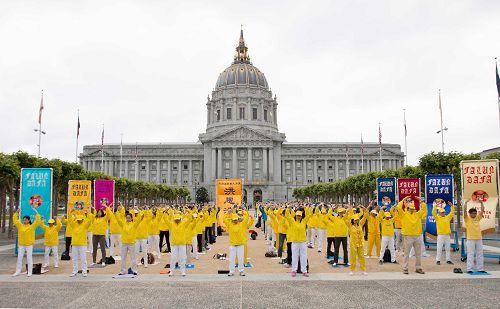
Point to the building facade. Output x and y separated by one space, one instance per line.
242 140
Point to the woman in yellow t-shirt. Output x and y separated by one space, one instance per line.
26 240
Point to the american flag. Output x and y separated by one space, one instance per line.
379 135
498 85
40 111
362 145
136 151
78 127
102 136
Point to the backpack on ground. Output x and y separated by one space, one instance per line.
387 256
37 269
151 259
270 254
65 256
109 260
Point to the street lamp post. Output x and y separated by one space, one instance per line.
40 132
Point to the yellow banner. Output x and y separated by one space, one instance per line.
229 192
79 194
480 183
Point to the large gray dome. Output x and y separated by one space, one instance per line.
242 74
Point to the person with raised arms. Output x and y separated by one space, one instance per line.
411 221
115 233
355 222
443 232
129 226
373 225
99 225
297 224
25 240
80 225
51 240
472 219
178 226
337 232
154 216
141 242
237 228
387 222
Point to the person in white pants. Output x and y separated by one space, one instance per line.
130 250
128 237
115 244
443 232
236 252
179 230
154 233
89 241
79 226
25 241
142 244
51 241
311 236
237 227
297 234
178 255
474 238
387 223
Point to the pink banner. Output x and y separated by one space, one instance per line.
409 187
104 194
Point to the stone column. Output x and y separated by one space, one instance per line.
125 172
271 165
250 165
336 169
168 171
235 163
147 170
219 163
277 163
315 171
294 180
264 164
213 174
190 167
179 172
304 172
326 171
136 172
158 171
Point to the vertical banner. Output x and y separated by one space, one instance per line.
104 194
386 192
480 183
227 193
409 187
79 195
438 192
36 194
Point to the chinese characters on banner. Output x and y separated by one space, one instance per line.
36 194
386 192
409 187
79 195
438 192
228 192
104 194
480 183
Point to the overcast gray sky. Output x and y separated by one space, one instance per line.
144 68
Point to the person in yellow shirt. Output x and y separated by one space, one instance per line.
154 232
387 223
129 228
443 232
474 238
141 243
51 241
338 231
178 226
80 225
373 233
297 223
355 223
320 226
115 232
398 242
411 221
99 225
25 240
237 228
67 234
312 229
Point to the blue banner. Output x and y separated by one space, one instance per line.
386 192
438 192
36 194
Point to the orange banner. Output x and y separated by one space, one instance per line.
229 192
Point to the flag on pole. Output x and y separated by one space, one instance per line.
406 131
102 136
78 127
498 86
379 135
40 111
362 145
136 151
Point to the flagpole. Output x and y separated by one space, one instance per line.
406 142
441 120
102 149
121 154
39 130
362 155
380 146
77 135
498 87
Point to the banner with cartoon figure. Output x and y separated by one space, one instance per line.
438 193
36 194
104 194
480 184
386 192
409 187
79 195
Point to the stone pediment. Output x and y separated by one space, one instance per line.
96 153
241 134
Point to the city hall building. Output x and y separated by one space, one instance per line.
242 140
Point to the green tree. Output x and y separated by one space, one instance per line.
201 195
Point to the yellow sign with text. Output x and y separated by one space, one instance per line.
228 192
79 195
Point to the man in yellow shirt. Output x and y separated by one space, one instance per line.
26 240
297 222
357 239
51 241
474 238
237 229
443 232
387 222
79 226
411 221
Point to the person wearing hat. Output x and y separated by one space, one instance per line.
179 231
115 232
387 222
80 224
141 242
154 232
398 242
320 226
443 232
411 221
237 228
297 223
312 226
51 240
337 232
472 219
373 232
129 225
67 234
25 240
99 226
355 223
